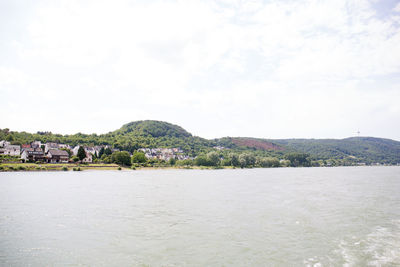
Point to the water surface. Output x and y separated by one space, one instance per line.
258 217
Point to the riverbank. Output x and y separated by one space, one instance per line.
4 167
10 167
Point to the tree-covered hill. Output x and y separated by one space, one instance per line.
363 149
153 128
249 143
152 134
353 149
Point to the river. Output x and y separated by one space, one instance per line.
344 216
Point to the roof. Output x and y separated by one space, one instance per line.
12 147
57 152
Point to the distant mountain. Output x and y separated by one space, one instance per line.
366 149
152 134
153 128
249 143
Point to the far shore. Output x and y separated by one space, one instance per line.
12 167
35 167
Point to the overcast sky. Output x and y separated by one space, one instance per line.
272 69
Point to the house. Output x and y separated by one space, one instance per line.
64 146
49 146
36 144
75 150
12 150
163 153
57 156
4 143
88 159
91 150
32 154
25 146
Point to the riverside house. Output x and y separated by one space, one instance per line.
32 154
57 156
49 146
164 153
12 150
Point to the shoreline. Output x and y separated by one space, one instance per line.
33 167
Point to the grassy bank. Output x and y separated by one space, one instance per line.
8 167
55 167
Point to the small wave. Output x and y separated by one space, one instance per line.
383 245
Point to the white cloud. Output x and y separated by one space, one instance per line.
267 69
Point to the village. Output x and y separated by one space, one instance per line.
50 152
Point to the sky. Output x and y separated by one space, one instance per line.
268 69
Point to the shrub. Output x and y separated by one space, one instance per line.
44 169
133 168
11 168
38 162
64 168
119 168
78 169
1 167
21 168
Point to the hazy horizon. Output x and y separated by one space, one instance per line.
266 69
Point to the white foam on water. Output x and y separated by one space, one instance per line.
312 262
347 254
383 245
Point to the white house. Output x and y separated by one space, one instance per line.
4 143
75 150
64 146
12 150
88 159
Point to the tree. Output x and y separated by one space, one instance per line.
121 158
246 160
298 159
201 160
172 161
268 162
10 138
101 152
213 158
138 157
231 159
107 151
81 153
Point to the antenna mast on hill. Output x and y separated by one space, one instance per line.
358 133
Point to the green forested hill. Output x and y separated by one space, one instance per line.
153 128
153 134
365 149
